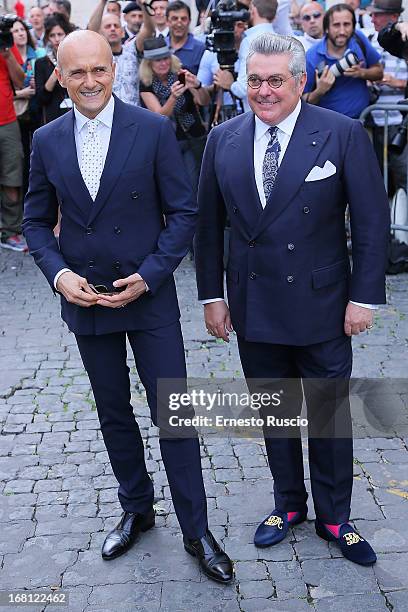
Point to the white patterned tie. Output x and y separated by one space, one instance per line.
270 163
91 158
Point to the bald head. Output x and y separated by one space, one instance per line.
86 69
80 45
311 15
111 30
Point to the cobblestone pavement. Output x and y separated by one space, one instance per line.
58 494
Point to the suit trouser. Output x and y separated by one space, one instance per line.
158 354
330 458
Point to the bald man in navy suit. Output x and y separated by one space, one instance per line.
127 220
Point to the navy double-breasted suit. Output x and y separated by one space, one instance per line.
288 274
142 220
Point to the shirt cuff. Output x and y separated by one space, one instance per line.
370 306
58 274
147 286
211 301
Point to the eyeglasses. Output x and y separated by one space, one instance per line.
314 15
255 82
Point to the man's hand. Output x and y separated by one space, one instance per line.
391 81
325 82
402 27
224 79
217 320
135 287
357 319
5 53
76 290
356 72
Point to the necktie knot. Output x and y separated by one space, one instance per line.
92 126
273 131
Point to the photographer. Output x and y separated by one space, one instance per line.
11 150
339 66
262 14
175 93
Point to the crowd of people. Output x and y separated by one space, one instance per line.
162 63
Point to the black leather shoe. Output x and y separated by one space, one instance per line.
120 539
214 562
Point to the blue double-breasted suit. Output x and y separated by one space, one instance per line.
142 220
289 277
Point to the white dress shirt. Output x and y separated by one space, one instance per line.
104 129
261 140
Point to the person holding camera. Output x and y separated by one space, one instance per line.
11 150
339 67
170 91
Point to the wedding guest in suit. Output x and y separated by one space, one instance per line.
284 174
128 217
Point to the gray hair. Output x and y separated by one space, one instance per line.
274 44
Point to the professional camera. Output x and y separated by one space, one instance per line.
221 38
349 59
397 144
6 37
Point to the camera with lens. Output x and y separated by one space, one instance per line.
349 59
221 39
397 144
6 37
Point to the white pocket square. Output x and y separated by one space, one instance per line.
317 173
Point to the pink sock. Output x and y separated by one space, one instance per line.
334 529
291 515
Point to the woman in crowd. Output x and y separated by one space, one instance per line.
170 91
24 102
52 98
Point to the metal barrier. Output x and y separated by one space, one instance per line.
387 107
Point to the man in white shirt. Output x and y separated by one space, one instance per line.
266 16
284 175
311 18
128 218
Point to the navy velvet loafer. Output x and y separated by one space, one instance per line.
352 545
274 528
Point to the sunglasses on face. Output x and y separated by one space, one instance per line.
309 17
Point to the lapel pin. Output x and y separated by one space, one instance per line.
314 143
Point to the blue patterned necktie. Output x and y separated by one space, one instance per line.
270 163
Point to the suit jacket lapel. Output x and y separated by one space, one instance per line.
69 167
304 148
240 170
124 129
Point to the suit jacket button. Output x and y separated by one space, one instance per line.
290 279
235 209
253 276
117 265
89 230
117 230
291 246
134 195
251 243
91 263
306 210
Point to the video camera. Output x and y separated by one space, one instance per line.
6 37
221 38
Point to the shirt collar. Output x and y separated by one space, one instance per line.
105 116
189 44
286 126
